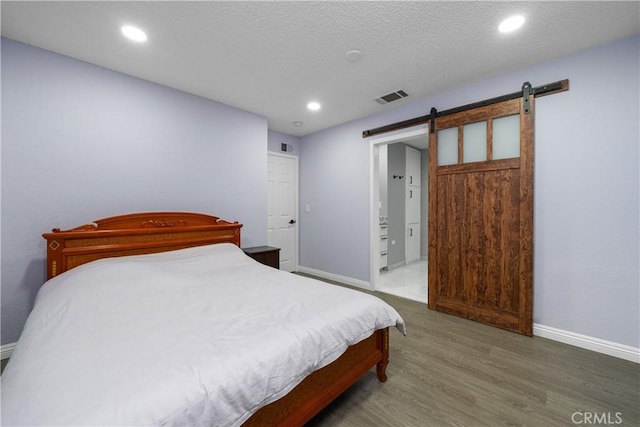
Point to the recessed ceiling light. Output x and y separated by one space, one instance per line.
133 33
313 106
297 123
511 24
354 55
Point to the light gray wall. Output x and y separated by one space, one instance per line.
397 226
80 142
586 190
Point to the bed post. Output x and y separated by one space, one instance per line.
54 258
383 344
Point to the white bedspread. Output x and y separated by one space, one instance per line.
200 336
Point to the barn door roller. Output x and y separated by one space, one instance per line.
527 91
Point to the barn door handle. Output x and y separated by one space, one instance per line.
293 221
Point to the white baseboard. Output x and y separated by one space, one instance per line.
6 350
590 343
396 265
336 278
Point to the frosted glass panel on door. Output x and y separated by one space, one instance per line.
448 146
506 137
474 147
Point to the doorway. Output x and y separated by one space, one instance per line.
399 183
282 208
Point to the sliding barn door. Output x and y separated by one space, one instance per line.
481 215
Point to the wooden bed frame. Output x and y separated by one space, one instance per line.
145 233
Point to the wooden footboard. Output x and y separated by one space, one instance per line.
324 385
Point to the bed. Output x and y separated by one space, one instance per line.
161 319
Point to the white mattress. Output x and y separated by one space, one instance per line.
200 336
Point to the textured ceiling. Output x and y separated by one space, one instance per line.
271 58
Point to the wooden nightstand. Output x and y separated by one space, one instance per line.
266 255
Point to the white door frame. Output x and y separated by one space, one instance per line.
374 195
294 253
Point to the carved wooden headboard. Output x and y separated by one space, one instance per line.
134 234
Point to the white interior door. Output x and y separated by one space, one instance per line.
282 210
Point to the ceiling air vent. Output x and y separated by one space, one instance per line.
393 96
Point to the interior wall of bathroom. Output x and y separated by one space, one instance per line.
396 184
392 159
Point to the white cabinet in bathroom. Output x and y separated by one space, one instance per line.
412 204
413 167
384 240
413 242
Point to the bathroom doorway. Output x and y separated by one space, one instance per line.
399 182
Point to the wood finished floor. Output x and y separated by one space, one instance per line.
454 372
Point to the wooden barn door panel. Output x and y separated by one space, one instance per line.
480 220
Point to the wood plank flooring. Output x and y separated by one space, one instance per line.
450 371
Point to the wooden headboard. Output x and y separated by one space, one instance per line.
134 234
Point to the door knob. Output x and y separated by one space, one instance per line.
293 221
